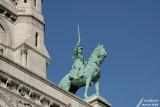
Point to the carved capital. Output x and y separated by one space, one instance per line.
24 52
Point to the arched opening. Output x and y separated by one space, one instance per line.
25 1
35 3
36 39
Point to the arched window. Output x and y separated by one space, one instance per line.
36 39
25 1
35 3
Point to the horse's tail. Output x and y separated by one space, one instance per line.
65 83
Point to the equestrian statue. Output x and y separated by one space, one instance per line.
83 73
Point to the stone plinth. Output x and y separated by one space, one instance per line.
97 101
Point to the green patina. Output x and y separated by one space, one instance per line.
83 73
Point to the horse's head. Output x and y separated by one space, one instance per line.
101 51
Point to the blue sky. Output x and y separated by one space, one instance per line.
130 33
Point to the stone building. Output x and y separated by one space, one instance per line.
24 58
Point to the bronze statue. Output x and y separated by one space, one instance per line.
83 73
79 62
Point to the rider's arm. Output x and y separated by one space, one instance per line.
76 50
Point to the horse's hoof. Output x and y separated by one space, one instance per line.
97 93
85 97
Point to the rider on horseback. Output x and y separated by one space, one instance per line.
79 63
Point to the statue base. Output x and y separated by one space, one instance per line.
97 101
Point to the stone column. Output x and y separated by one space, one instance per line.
24 58
97 101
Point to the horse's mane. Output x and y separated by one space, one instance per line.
93 53
98 47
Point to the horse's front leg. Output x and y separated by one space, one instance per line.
88 82
96 83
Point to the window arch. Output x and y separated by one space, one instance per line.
35 2
25 1
36 39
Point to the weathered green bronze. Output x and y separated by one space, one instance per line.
83 73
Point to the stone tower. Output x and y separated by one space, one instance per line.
24 24
24 58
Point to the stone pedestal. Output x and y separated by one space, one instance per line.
97 101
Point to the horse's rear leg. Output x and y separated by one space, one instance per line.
88 82
65 83
96 83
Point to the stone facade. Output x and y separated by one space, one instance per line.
22 34
26 86
24 58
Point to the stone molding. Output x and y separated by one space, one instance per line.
31 19
8 15
42 80
25 46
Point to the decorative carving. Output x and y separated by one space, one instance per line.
15 101
29 19
24 52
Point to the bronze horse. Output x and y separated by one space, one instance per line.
91 73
